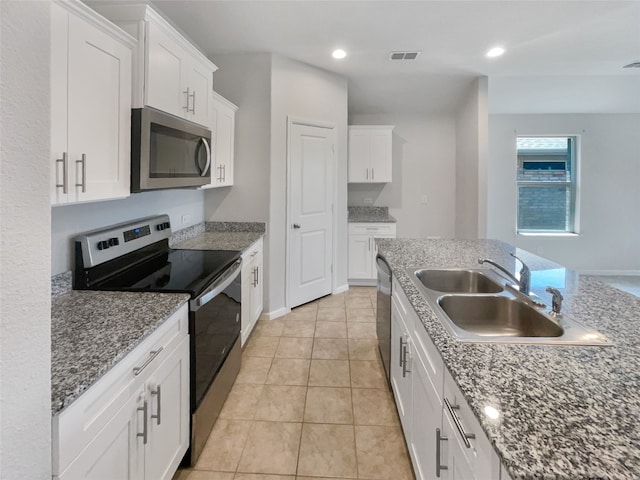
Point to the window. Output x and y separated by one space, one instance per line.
546 179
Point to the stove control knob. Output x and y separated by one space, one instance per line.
103 245
113 242
160 227
166 225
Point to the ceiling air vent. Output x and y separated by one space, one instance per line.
633 65
403 55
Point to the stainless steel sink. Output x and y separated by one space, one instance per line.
457 281
480 306
497 316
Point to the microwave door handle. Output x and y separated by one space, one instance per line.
208 164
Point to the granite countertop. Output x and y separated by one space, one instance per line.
92 331
370 215
566 412
220 241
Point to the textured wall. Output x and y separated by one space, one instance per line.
307 92
608 173
69 220
25 305
424 160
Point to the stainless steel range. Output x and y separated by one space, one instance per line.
135 256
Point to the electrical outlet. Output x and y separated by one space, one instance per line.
368 201
423 199
185 218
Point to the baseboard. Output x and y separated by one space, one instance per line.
341 289
621 273
275 314
363 282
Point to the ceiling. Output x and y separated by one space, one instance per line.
566 54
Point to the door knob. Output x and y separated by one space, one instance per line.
296 225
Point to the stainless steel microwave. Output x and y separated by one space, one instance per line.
168 151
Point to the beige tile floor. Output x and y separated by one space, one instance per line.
310 402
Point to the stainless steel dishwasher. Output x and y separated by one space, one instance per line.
383 315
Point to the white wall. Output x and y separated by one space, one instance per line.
245 79
307 92
25 302
609 170
69 220
471 162
423 164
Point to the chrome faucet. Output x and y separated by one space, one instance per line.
556 301
524 284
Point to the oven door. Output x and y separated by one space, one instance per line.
214 328
168 152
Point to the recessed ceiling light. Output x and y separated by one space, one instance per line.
339 53
495 52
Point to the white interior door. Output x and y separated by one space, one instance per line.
310 247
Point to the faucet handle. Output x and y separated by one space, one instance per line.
556 301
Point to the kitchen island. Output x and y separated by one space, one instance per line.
565 412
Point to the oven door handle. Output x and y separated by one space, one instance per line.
218 286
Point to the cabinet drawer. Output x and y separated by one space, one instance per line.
78 424
480 455
373 229
252 251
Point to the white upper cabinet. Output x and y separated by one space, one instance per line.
170 73
223 128
90 106
370 153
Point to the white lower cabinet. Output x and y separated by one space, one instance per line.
252 292
133 423
362 250
400 367
445 439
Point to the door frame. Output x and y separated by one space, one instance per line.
293 120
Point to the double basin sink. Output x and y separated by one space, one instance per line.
478 305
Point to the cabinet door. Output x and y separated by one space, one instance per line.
60 181
99 113
358 156
168 410
116 451
166 82
400 366
225 138
199 79
360 257
427 419
257 292
380 157
458 468
247 275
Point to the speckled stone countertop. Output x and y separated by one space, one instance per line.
92 331
370 215
566 412
220 241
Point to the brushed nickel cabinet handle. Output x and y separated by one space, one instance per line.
193 103
465 436
144 434
83 161
152 354
405 353
157 392
439 466
186 92
373 174
65 173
